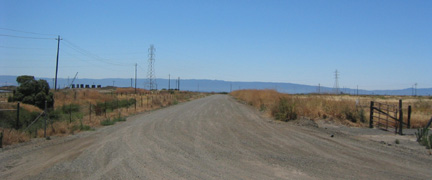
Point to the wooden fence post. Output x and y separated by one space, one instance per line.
371 115
409 116
400 117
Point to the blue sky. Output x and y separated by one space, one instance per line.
373 44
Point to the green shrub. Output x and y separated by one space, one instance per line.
111 105
71 108
284 110
362 115
424 138
354 115
349 115
117 119
56 114
82 128
107 122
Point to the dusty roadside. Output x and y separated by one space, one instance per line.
217 138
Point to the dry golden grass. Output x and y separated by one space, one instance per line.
131 91
12 136
80 97
13 105
336 107
145 101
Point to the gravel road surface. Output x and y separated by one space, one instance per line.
215 137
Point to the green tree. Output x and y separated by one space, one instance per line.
31 91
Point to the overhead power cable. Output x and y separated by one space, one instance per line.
14 30
89 54
25 37
11 47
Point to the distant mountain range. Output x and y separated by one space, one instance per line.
203 85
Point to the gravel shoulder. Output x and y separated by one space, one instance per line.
218 138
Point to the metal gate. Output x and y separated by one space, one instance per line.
386 116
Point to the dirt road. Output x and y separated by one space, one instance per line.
212 138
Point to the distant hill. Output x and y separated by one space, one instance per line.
204 85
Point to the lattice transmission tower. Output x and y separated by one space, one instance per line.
336 84
151 68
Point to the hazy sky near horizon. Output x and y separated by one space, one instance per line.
384 44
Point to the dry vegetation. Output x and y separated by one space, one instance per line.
80 109
346 109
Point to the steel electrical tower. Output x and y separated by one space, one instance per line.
336 85
151 71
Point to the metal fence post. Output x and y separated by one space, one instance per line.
371 115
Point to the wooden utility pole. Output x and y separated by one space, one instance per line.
58 49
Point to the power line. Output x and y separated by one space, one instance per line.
26 37
12 47
14 30
90 55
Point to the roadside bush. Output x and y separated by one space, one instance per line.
107 122
8 118
284 110
117 119
423 137
71 108
102 107
81 127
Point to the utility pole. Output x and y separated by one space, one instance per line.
231 87
136 64
319 88
415 89
58 49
